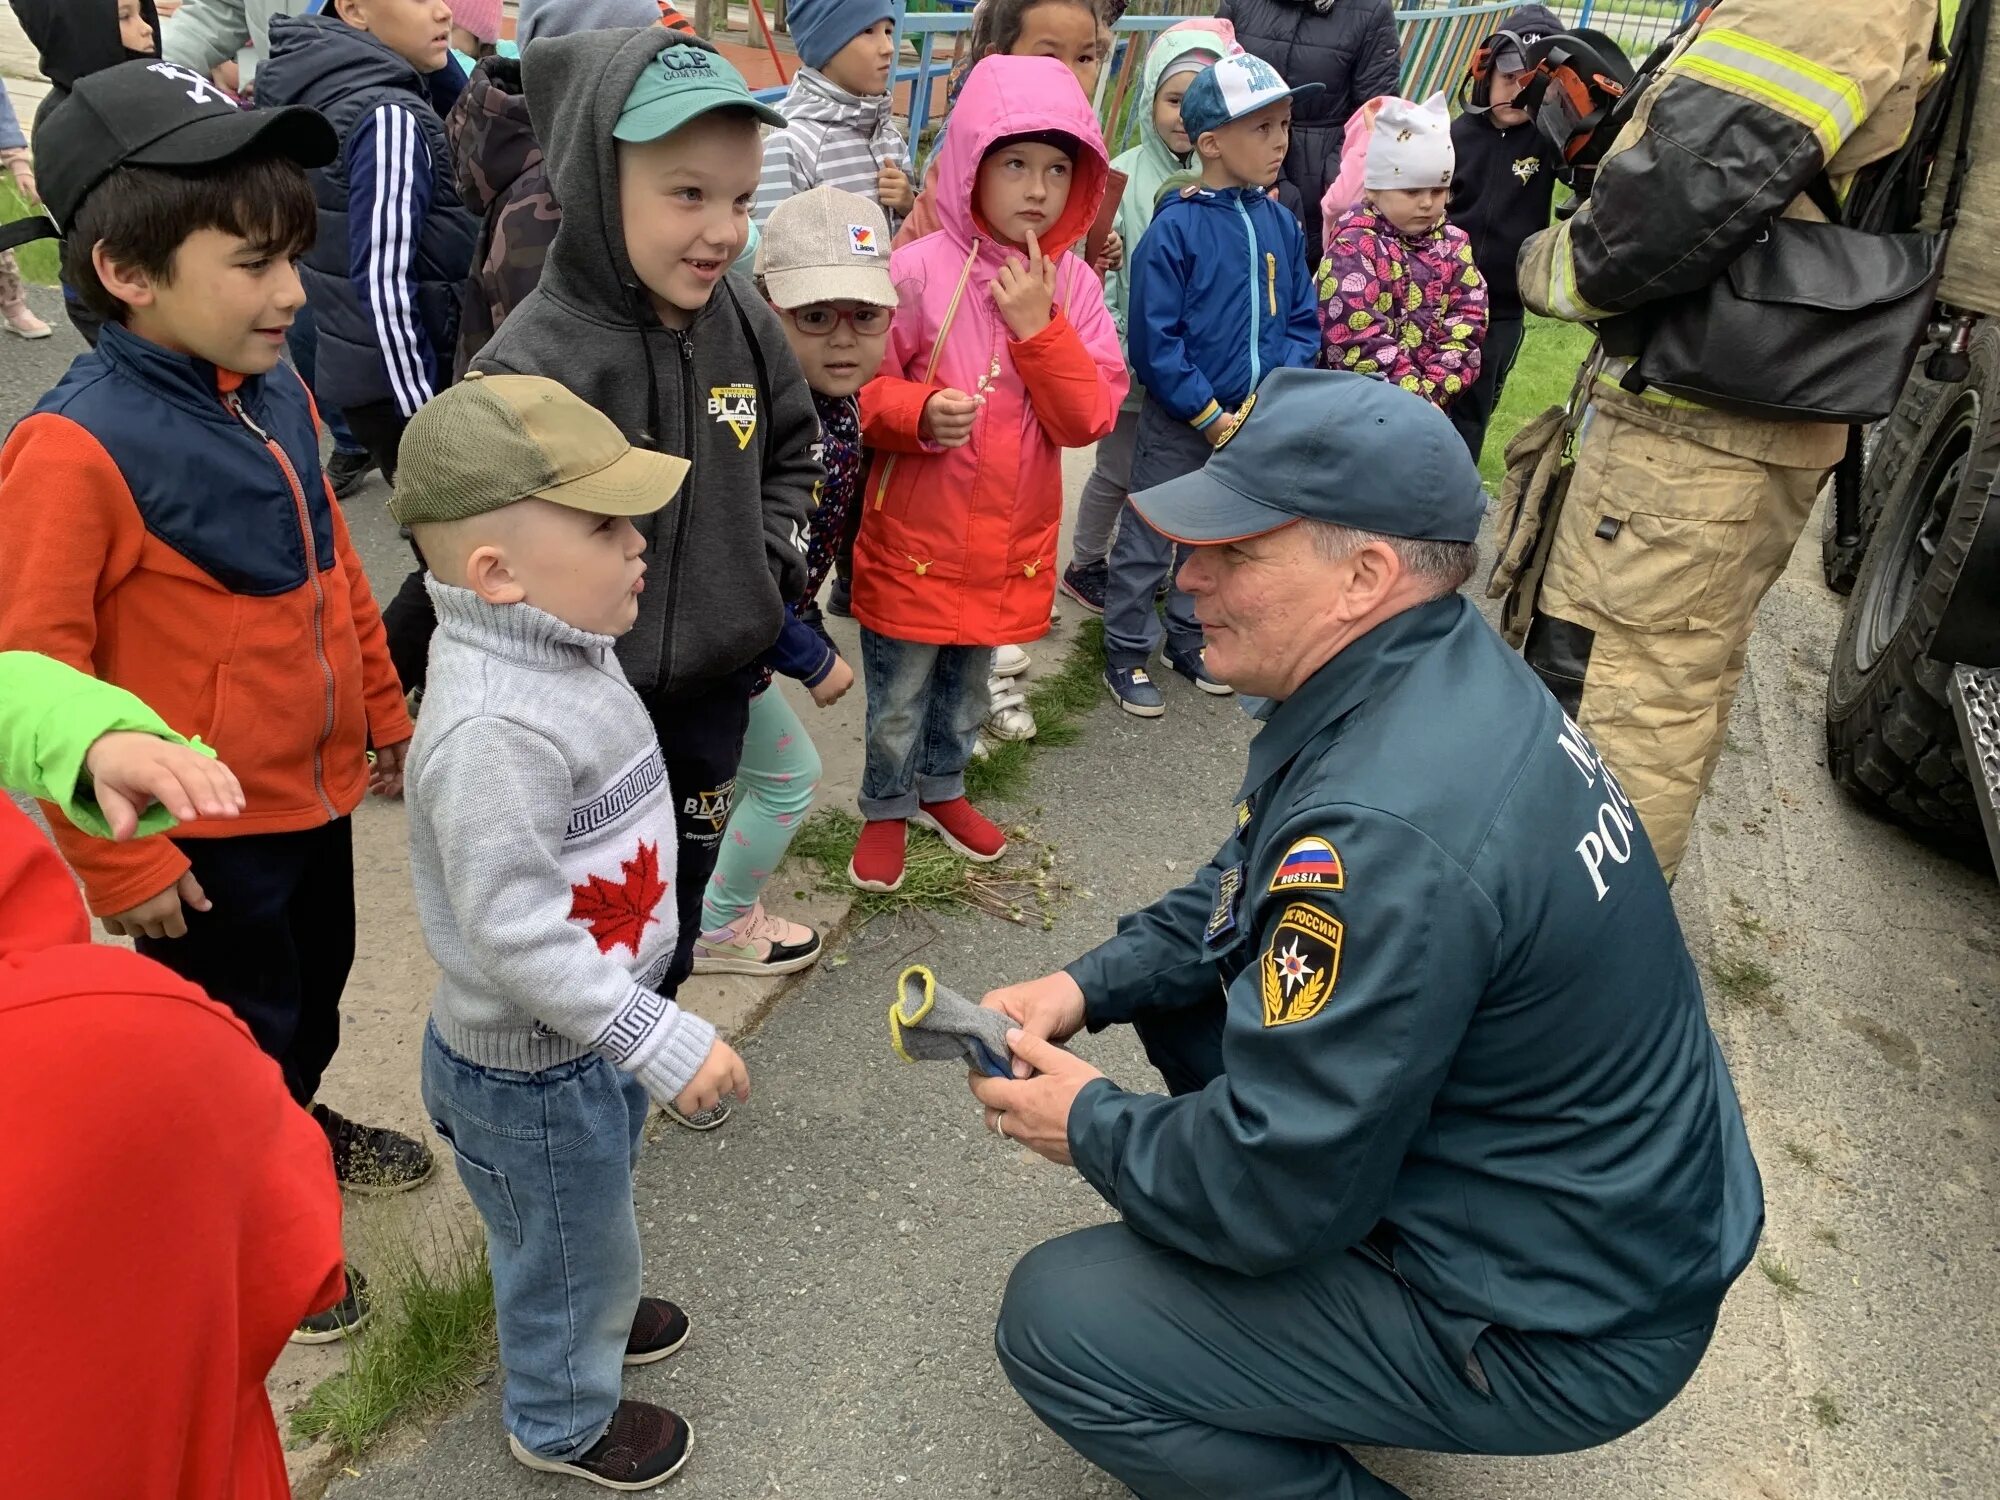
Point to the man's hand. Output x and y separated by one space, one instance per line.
1026 293
721 1074
130 771
948 418
1047 1009
1112 256
162 916
831 688
1035 1111
385 777
893 190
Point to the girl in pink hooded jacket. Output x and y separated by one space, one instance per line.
1001 355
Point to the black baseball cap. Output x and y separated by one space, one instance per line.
149 113
1327 445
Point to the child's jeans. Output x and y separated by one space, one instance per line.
925 706
774 790
547 1159
1141 559
1103 497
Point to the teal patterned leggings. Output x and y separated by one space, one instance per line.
774 791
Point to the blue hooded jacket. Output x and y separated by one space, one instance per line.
1220 295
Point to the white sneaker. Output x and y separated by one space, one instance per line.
1009 661
1007 715
22 323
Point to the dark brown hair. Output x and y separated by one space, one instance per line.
142 216
996 25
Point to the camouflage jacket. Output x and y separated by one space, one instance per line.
502 179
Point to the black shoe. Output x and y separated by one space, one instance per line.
343 1318
345 471
644 1445
658 1329
840 601
371 1158
1085 583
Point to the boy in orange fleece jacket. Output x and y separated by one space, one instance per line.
168 529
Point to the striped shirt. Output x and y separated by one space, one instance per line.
389 195
831 138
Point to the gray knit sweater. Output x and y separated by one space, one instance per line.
542 848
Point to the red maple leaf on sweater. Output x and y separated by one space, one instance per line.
618 911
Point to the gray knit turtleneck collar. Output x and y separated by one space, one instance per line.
518 632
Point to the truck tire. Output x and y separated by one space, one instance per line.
1892 446
1890 736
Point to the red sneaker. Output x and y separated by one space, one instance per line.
878 855
965 828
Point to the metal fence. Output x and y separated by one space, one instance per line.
1438 43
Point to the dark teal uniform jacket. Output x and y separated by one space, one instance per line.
1461 1022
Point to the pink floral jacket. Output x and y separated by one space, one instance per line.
1410 311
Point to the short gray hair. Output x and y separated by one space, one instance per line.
1445 566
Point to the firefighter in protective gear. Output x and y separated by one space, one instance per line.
1678 518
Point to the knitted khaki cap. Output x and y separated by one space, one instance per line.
494 439
826 245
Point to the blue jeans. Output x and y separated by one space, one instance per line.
1141 559
302 343
547 1159
925 706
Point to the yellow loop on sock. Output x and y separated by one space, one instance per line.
899 1015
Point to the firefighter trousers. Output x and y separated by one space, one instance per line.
1654 569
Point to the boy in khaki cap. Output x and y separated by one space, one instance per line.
542 848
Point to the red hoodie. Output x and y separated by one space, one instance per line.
167 1215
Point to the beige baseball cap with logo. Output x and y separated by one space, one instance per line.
494 439
825 245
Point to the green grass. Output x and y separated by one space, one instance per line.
1542 377
1802 1154
1824 1410
430 1340
1781 1278
1745 981
39 260
1023 886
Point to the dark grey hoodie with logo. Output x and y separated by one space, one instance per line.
725 393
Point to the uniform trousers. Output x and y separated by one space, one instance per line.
1661 553
1189 1382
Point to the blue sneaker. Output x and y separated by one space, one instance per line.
1135 692
1193 665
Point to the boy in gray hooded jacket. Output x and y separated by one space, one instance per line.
653 152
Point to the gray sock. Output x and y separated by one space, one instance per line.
929 1023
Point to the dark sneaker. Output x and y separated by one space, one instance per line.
703 1119
1085 584
840 599
372 1158
644 1445
345 471
1135 692
345 1317
1193 665
658 1329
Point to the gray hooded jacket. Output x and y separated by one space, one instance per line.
725 393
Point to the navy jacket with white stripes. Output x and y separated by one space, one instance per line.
395 242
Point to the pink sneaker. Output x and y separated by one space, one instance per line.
756 943
22 323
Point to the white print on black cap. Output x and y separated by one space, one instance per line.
199 88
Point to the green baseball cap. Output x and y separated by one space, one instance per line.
677 85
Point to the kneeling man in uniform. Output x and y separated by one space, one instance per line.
1449 1158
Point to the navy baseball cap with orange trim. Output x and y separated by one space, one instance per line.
1333 446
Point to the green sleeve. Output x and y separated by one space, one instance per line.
50 715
